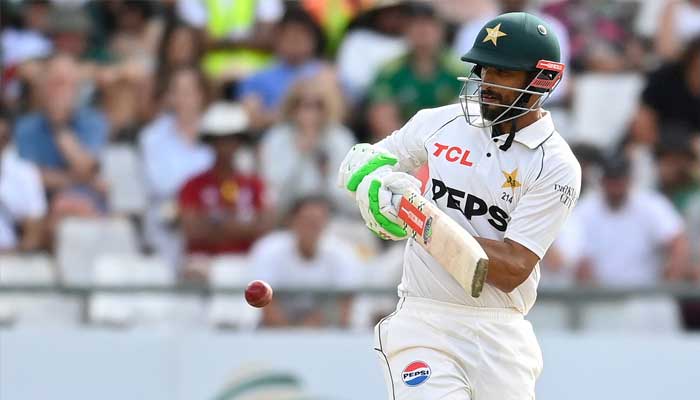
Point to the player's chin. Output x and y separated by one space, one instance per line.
490 112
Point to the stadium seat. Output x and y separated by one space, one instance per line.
231 310
79 241
594 121
33 308
123 309
36 269
121 168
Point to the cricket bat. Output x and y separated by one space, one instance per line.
449 244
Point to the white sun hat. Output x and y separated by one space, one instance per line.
224 119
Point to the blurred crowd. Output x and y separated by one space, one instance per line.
216 127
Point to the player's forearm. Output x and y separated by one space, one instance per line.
508 266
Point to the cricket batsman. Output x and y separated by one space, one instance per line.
500 169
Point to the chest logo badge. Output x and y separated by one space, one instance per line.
453 154
511 180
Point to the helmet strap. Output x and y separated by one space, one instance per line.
521 102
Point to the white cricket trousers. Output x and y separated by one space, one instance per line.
431 350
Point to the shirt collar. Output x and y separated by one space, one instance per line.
537 132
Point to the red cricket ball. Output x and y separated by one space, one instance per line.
258 294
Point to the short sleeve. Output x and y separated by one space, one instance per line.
93 131
408 143
25 135
188 198
667 222
258 194
545 207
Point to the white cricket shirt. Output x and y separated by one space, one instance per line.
623 245
524 193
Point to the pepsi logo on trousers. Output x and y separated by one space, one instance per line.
416 373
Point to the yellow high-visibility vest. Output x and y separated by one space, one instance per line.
224 17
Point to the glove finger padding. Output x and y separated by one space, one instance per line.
377 210
378 195
362 160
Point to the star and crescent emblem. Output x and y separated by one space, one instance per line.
511 179
492 34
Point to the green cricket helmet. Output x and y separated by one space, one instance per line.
514 41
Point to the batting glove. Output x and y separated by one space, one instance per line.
378 196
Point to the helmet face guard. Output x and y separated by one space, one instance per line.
547 78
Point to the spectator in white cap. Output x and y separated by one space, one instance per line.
222 208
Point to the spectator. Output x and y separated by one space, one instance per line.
679 23
374 39
304 257
239 33
677 166
181 46
590 158
65 141
333 16
172 154
222 209
22 39
671 99
299 42
138 34
69 28
425 78
599 37
558 267
467 33
302 153
22 198
120 101
625 231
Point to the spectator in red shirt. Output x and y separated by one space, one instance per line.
222 209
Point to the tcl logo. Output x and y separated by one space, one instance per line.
453 154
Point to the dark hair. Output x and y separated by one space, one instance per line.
587 153
616 166
295 15
675 144
416 9
302 201
145 8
